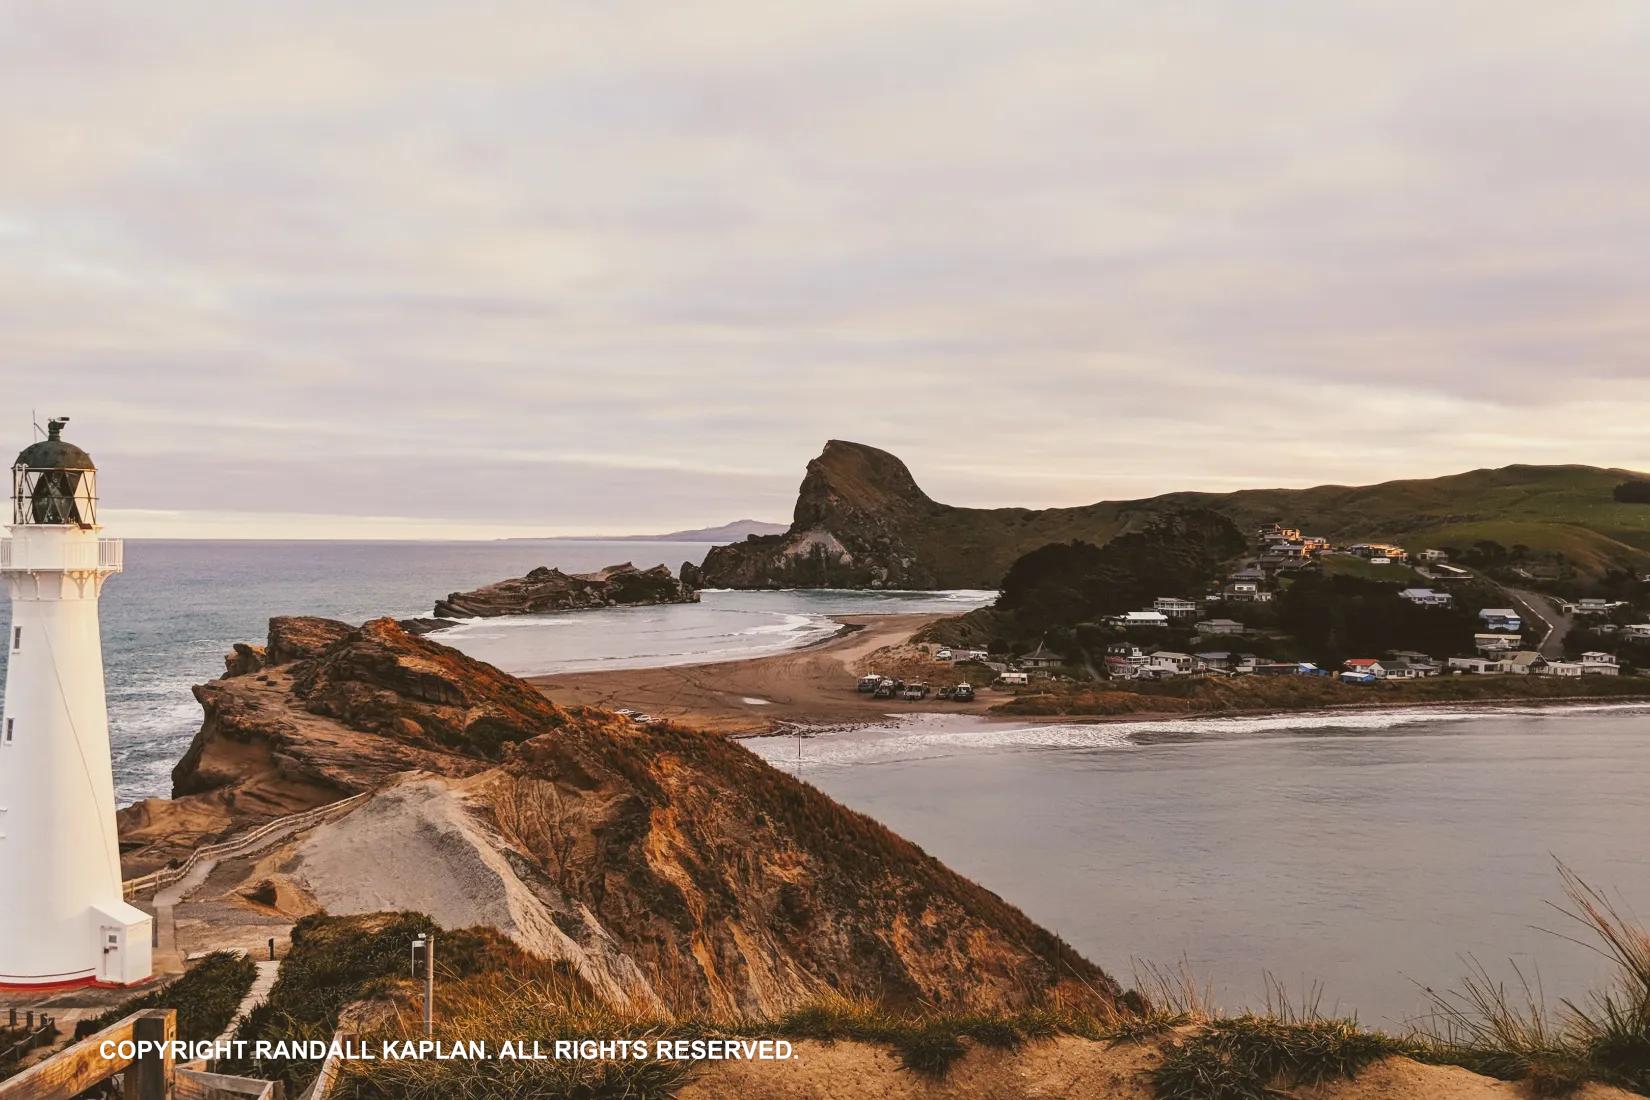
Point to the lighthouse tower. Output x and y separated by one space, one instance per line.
62 918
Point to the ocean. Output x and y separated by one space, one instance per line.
171 616
1371 854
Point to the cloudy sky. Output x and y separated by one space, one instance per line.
421 268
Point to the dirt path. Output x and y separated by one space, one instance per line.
813 685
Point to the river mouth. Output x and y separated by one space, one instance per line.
1368 854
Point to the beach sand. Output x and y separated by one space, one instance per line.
812 685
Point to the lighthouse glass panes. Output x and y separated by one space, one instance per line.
65 497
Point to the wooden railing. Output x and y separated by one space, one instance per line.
321 1087
166 876
151 1075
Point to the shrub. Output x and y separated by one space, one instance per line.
205 996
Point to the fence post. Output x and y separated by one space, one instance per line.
151 1076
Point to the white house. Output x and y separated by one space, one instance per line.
1524 663
1378 550
1141 618
1426 597
1494 643
1477 666
1501 618
1175 607
1174 662
1218 626
1433 555
1599 664
1592 606
1367 666
1560 668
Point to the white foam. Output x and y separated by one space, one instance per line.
927 736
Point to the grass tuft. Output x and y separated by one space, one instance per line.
1486 1028
1244 1057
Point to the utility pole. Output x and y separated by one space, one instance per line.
424 946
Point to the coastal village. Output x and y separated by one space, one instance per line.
1232 629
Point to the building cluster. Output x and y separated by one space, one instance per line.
1497 647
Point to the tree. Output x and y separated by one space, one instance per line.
1635 491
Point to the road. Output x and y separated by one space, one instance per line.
1541 609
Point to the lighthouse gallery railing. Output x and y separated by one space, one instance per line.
104 556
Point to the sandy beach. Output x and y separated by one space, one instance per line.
813 685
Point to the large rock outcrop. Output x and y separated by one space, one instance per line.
549 589
673 868
861 521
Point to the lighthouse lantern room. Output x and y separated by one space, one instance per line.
63 920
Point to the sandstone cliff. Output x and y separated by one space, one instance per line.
549 589
671 868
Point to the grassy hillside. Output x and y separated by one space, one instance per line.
1565 509
861 520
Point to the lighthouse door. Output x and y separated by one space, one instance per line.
114 939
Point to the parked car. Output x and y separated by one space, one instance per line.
963 693
914 692
868 684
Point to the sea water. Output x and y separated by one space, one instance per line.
180 605
1373 854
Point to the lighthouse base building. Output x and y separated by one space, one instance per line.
63 920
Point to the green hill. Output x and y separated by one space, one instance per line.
861 520
1564 509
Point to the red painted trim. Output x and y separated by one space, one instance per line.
73 983
48 987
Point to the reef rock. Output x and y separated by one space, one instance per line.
548 589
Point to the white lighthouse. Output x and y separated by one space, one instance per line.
62 918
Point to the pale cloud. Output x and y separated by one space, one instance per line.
526 267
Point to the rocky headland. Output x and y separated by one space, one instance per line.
548 589
670 868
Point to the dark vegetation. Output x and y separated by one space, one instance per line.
206 997
1053 591
1633 491
1333 617
1068 583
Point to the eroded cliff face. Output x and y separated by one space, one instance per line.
548 589
672 867
858 523
861 521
